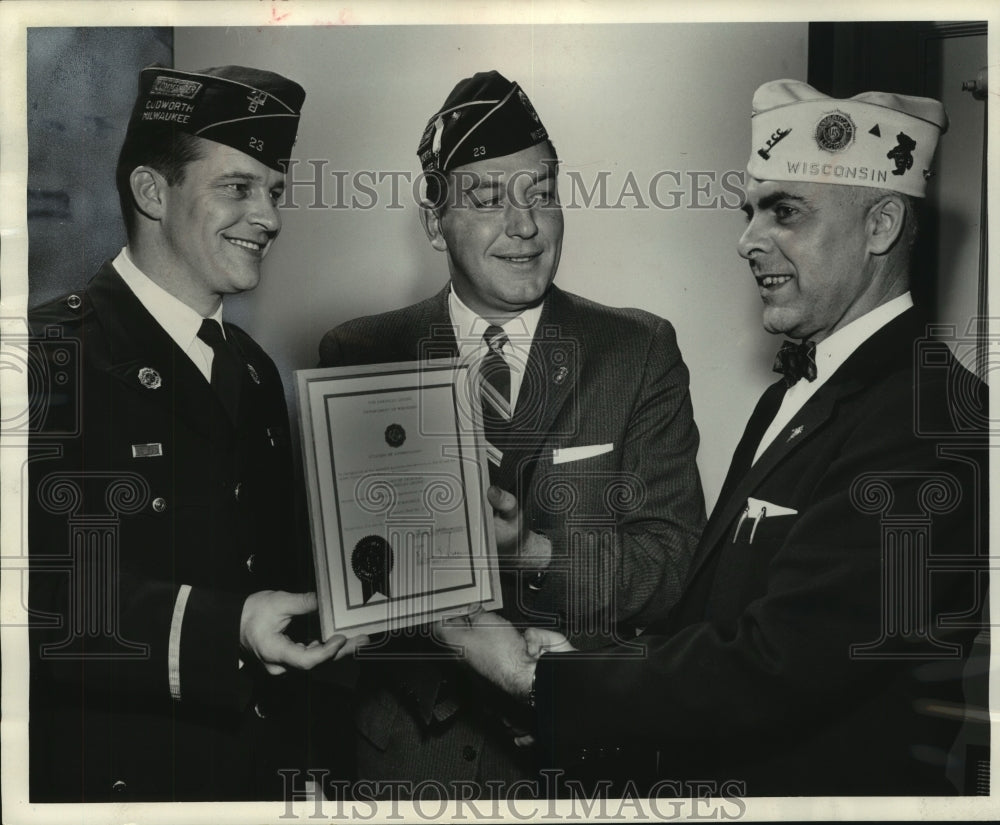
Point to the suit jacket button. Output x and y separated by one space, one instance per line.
74 302
119 786
259 711
236 490
468 753
535 579
250 560
159 504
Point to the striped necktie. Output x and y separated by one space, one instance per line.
494 374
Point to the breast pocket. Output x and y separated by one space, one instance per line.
744 563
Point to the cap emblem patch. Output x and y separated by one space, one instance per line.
256 99
165 86
527 105
902 153
835 132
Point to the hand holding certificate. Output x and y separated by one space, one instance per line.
395 469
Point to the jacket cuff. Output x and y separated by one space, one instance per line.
207 667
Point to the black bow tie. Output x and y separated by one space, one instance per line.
796 361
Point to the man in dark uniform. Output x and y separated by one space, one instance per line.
818 646
589 429
161 534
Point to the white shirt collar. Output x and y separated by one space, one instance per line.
179 321
831 352
469 326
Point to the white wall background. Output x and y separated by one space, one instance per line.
620 98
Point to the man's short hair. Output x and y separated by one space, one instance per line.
168 153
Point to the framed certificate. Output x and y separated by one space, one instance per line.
395 468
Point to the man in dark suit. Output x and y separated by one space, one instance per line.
817 648
161 534
589 430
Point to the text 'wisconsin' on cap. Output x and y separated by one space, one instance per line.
875 139
485 116
252 110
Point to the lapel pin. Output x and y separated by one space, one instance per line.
150 378
253 373
560 375
796 432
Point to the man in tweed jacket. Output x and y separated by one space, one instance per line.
597 500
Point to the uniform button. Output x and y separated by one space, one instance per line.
468 753
236 490
250 560
259 711
74 302
159 504
119 786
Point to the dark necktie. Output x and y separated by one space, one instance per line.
796 361
227 367
494 373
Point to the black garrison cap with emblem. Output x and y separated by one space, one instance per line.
485 116
252 110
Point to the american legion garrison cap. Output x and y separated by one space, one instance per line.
252 110
875 139
485 116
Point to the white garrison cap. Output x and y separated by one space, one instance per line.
873 139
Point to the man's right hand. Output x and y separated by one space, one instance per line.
265 617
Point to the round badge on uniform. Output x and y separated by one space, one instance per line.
150 378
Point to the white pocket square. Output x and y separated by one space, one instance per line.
756 511
565 454
756 508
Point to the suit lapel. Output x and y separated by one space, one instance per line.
249 376
761 417
551 373
432 334
143 357
887 346
805 423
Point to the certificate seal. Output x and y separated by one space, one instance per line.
371 561
395 435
